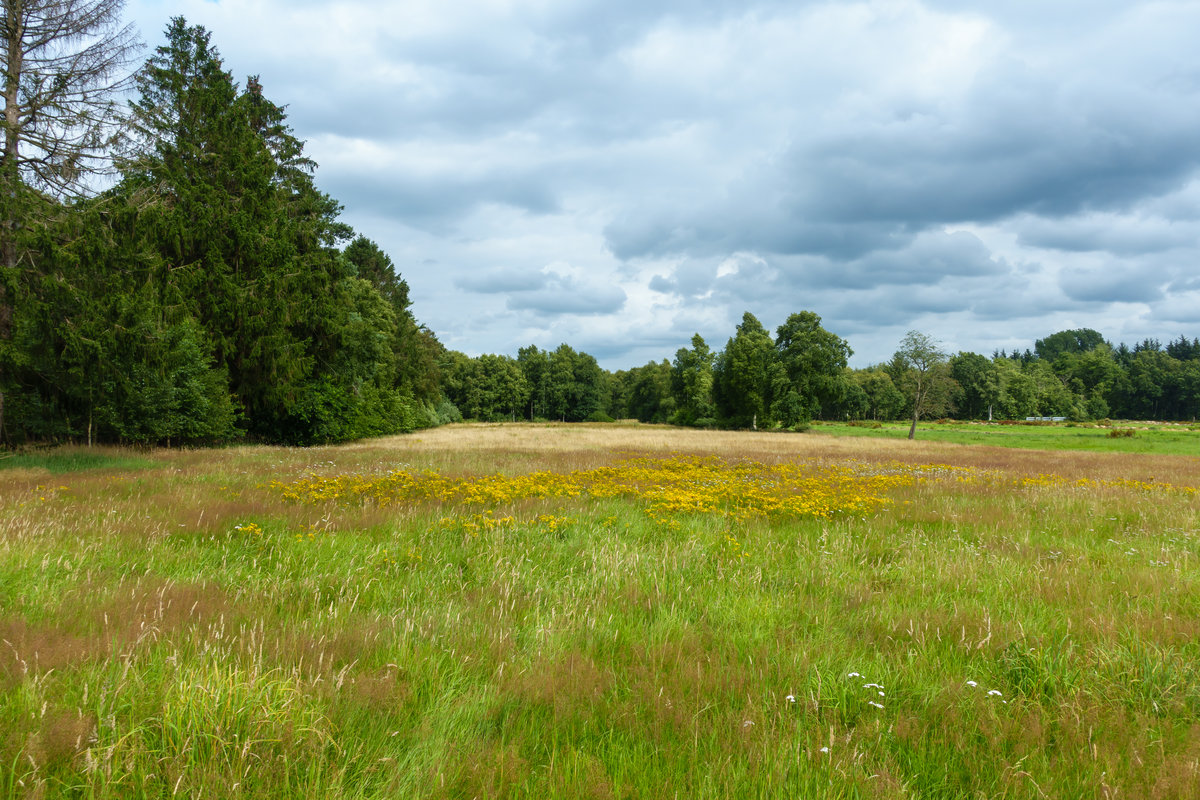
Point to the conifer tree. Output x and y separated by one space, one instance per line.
63 62
250 244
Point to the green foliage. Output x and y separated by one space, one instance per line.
874 395
491 388
649 397
920 369
1072 341
978 382
744 374
235 213
691 383
204 296
814 362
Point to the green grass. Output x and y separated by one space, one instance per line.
1164 439
62 460
184 632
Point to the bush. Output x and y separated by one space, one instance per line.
1122 433
599 416
446 412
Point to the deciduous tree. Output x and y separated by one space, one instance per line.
814 361
920 365
742 376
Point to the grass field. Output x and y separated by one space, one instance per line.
1117 437
602 611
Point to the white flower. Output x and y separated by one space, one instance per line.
872 686
881 694
873 703
747 723
994 692
851 675
824 749
972 683
791 698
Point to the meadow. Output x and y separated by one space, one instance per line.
601 611
1161 438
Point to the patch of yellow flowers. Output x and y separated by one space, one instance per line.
667 487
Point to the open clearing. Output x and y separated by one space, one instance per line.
600 611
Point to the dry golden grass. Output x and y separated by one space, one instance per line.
579 445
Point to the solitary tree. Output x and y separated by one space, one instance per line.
920 363
63 62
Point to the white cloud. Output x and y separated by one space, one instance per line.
619 175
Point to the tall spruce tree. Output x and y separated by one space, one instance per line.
102 358
250 248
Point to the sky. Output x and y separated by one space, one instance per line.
621 174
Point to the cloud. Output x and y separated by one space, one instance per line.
551 292
622 174
1125 234
1111 283
501 281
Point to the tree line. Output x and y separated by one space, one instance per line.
209 293
800 374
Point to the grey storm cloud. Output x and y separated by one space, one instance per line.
500 281
545 291
1119 234
1111 283
560 294
944 164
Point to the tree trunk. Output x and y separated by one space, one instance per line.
912 431
14 34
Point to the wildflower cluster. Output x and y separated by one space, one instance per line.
45 494
734 548
668 487
249 528
1128 484
476 524
873 690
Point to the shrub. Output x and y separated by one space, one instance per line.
446 412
